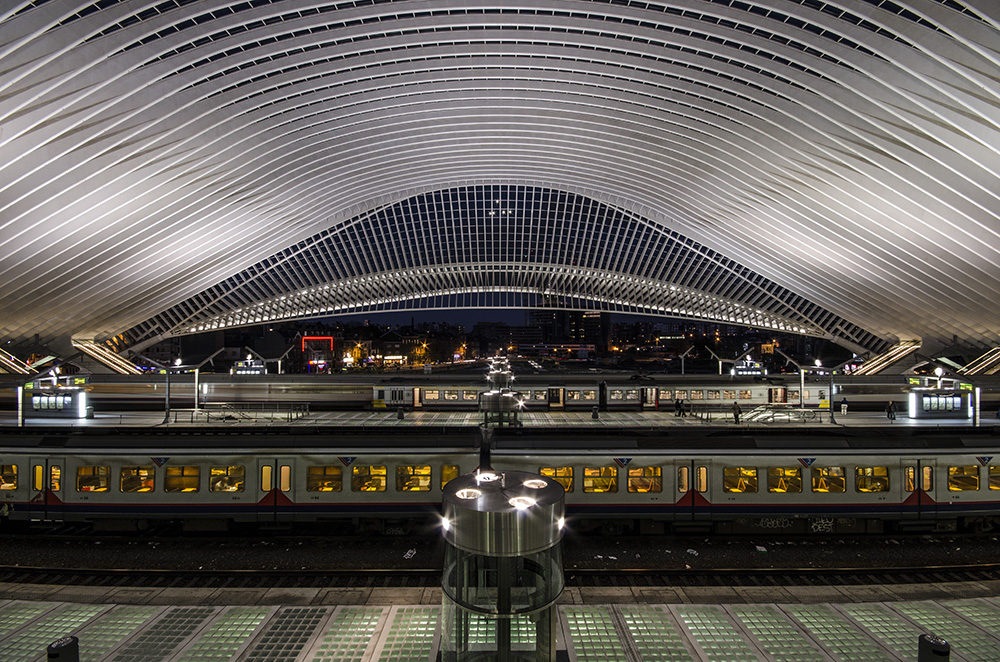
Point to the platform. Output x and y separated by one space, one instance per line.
596 624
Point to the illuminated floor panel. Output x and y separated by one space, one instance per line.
588 633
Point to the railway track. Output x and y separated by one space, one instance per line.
431 577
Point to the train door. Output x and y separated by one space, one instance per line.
555 398
275 495
649 399
46 497
777 395
692 491
418 398
919 489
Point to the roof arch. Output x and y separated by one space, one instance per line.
499 246
845 150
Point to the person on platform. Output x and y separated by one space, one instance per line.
890 411
843 407
737 410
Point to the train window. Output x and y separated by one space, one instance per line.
961 479
739 479
701 479
784 479
588 395
451 395
227 479
572 395
470 395
266 478
909 478
93 479
728 394
745 394
8 476
38 481
413 479
285 478
368 478
645 479
632 394
666 394
792 396
328 478
680 395
995 478
381 394
55 478
562 475
137 479
600 479
713 395
683 477
698 395
432 394
182 479
616 394
540 395
871 479
829 479
449 472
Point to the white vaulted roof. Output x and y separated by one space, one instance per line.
828 167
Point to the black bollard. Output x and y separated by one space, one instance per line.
933 649
66 649
594 413
399 413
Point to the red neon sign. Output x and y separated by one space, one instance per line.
306 338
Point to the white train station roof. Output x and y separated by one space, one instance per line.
826 167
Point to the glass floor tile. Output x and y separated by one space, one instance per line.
350 634
839 635
411 634
35 638
717 637
968 641
889 628
776 634
227 635
592 634
287 634
112 628
15 614
655 635
165 635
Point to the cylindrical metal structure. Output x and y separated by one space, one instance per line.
66 649
503 567
932 649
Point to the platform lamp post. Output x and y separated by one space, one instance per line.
166 400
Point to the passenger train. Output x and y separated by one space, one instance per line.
803 482
449 392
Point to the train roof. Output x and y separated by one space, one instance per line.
56 440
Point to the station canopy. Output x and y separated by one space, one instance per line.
820 167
